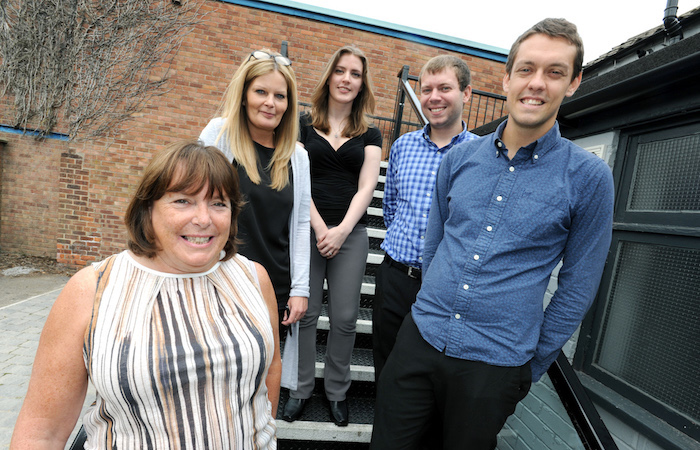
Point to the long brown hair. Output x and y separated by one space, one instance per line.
364 103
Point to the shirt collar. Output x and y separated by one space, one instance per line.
455 139
534 150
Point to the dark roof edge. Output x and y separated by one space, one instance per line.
292 8
670 69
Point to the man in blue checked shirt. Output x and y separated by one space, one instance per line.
507 208
410 179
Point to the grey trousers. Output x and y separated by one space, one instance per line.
344 273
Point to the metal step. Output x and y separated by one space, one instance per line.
376 233
315 423
375 257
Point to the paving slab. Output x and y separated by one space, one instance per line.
25 302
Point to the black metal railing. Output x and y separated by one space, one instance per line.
583 414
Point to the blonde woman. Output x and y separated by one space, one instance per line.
345 153
257 131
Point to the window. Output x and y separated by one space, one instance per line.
644 329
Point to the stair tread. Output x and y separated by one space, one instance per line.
360 408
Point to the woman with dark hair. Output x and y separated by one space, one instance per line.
345 152
178 334
257 130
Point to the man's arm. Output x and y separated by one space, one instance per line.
390 191
584 259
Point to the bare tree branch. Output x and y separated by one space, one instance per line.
87 64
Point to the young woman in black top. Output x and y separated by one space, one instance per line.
344 152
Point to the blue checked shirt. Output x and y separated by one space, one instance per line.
408 191
497 229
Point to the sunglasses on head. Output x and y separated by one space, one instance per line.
279 59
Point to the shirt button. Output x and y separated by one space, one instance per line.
476 257
511 168
466 286
489 228
536 157
422 237
457 316
432 173
499 198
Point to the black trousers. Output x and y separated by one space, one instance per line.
395 293
473 399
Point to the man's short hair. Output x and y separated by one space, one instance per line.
556 28
439 63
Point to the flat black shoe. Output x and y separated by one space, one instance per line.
339 412
293 409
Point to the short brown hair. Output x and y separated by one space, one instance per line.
561 28
184 166
440 62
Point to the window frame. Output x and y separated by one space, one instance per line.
679 229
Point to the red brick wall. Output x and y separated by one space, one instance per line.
29 194
67 199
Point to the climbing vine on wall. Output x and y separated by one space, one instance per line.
86 66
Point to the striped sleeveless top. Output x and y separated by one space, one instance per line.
178 361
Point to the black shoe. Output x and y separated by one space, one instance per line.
339 412
293 409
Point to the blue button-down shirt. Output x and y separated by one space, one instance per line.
408 192
497 229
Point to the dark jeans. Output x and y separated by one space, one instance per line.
472 399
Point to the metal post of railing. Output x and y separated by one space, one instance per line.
400 100
583 414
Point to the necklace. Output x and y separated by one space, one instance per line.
336 132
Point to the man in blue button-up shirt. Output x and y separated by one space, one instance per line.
408 192
507 208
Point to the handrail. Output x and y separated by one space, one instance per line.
583 414
413 100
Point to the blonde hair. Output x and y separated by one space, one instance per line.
235 125
364 103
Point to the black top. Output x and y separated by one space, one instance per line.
335 173
263 224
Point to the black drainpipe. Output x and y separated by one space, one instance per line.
671 23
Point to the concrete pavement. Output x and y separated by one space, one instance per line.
25 303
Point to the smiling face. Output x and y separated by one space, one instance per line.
441 99
542 75
345 81
265 103
190 230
